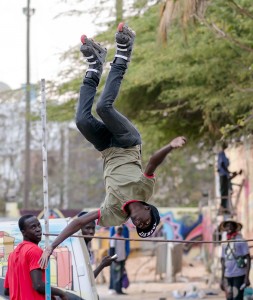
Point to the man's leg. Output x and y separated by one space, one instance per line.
118 278
122 265
92 129
229 288
237 292
111 278
224 190
123 131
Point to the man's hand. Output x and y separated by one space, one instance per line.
43 261
222 285
107 261
247 281
60 294
178 142
63 297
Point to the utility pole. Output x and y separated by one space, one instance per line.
64 154
28 13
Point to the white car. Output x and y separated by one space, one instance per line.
69 265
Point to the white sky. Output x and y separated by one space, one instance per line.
48 38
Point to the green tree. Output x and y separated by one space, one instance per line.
196 84
193 88
228 20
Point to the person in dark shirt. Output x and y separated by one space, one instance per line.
225 177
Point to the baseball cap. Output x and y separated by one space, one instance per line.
155 220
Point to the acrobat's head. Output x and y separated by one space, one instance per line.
145 217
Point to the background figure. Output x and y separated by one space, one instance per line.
223 163
235 262
125 234
225 180
24 278
118 266
89 229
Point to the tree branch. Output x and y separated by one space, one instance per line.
231 39
242 10
247 90
223 34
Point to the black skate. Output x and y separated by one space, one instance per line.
124 41
94 53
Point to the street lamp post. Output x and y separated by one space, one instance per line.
28 13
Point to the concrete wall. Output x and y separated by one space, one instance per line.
241 157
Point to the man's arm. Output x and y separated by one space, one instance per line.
39 285
106 262
6 292
6 284
222 285
248 265
157 158
234 174
73 227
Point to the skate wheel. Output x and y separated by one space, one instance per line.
83 39
120 26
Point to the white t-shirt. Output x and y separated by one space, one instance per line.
120 248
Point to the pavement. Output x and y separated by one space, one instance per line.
145 285
158 291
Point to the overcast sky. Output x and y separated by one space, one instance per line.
49 37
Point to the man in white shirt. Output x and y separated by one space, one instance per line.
118 266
